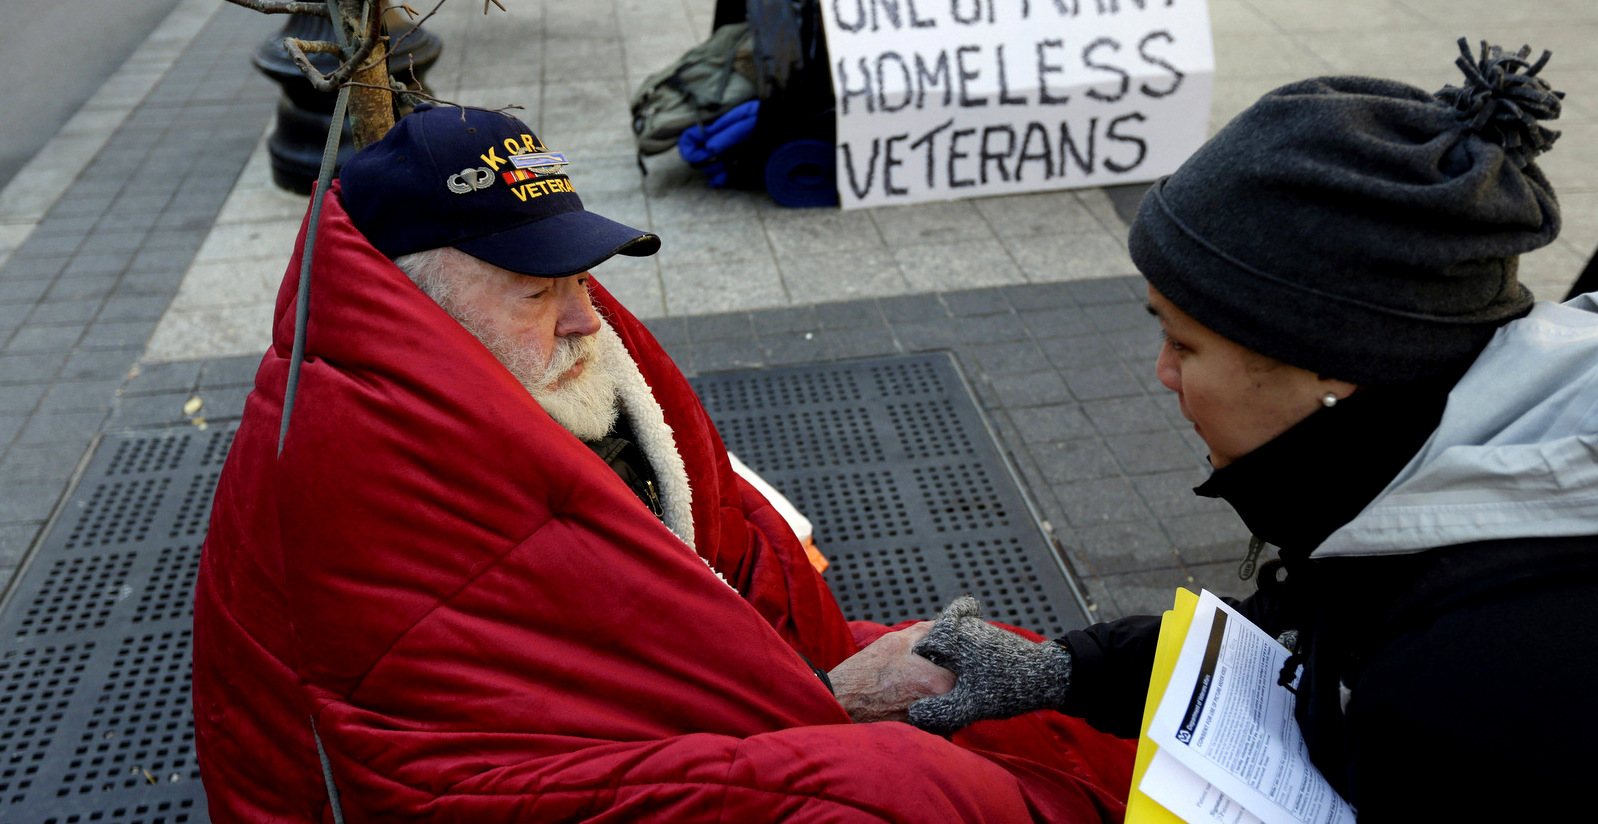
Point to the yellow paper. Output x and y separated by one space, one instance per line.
1140 809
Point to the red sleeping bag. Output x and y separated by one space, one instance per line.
485 625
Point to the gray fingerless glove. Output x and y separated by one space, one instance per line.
999 674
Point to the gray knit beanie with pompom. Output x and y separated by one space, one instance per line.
1363 229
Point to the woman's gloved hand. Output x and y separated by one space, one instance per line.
999 674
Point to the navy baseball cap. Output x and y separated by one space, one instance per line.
479 181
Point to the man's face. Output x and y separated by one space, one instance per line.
544 331
531 314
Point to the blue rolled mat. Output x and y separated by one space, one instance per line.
803 173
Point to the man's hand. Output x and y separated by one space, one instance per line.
880 682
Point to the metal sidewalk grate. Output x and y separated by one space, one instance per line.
912 501
95 721
889 457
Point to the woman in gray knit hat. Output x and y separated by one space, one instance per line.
1335 276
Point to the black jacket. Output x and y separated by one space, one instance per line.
1454 684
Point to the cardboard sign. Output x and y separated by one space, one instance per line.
942 99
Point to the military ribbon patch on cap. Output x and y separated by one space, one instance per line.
534 166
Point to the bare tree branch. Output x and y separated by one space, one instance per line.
283 7
495 2
394 47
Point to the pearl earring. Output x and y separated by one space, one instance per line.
1329 400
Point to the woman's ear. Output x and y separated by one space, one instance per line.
1333 390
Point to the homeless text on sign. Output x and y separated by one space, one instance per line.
940 99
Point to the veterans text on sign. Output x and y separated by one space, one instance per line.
940 99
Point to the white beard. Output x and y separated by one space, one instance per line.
585 405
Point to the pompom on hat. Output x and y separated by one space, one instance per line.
1361 228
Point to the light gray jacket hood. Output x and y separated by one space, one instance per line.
1516 453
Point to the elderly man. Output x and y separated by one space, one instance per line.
502 570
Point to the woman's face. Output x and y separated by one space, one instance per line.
1236 398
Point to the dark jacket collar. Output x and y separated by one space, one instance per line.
1300 487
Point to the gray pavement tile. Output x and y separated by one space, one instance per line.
1094 382
1148 592
1101 605
1030 389
67 311
21 398
1119 317
1037 297
973 302
963 264
24 291
726 355
907 308
839 276
61 428
44 338
37 246
925 336
27 503
76 203
1125 547
1069 257
1100 501
12 315
861 342
813 232
180 376
10 425
99 365
985 329
1209 537
223 402
52 225
1037 214
780 322
230 372
1060 321
52 463
114 242
149 410
668 330
89 287
145 284
128 222
1150 452
782 348
1081 350
34 368
80 396
97 263
133 308
1060 422
737 326
1065 462
42 268
1221 579
185 239
852 315
15 541
682 354
1010 358
721 286
1108 290
1121 416
118 334
936 223
1170 494
1136 347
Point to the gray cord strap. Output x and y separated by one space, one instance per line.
327 775
302 303
302 315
